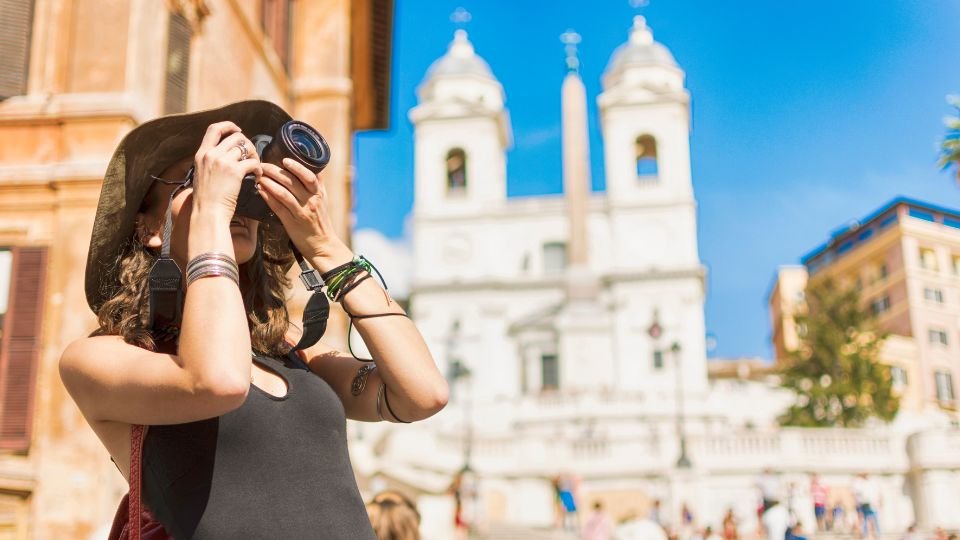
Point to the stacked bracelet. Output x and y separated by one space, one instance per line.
346 277
212 265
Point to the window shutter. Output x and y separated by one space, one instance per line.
178 65
17 17
20 347
275 19
382 38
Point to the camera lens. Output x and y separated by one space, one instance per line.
305 143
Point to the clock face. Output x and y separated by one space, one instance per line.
457 249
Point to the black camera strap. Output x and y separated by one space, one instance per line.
317 309
166 279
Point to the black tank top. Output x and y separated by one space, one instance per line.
277 467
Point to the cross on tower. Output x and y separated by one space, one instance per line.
570 40
638 4
460 17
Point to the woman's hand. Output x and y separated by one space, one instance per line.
299 199
220 168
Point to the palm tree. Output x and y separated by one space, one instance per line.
950 148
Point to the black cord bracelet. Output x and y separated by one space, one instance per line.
390 409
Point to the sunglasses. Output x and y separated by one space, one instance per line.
187 179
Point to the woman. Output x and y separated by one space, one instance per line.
394 516
247 439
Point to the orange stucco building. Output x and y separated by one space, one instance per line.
905 260
75 76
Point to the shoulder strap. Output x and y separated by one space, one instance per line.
136 453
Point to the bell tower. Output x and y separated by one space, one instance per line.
461 135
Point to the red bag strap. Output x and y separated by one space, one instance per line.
136 451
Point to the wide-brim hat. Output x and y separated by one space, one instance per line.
148 150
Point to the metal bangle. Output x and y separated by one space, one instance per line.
379 397
210 256
209 267
212 270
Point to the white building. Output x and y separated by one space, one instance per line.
579 317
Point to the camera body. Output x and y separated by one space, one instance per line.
295 140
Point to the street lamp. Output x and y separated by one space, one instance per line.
683 462
466 484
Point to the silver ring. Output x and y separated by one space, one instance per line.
243 150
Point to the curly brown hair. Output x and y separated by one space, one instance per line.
262 282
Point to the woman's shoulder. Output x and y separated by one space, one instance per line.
78 355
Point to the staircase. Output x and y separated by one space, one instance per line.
502 531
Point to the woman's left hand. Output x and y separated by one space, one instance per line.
299 199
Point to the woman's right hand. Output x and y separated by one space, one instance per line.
219 170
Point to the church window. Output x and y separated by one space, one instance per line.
944 385
658 360
554 257
549 372
456 170
646 155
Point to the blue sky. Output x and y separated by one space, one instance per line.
806 115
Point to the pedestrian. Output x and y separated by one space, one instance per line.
776 521
796 532
599 525
654 514
819 493
243 433
394 516
710 534
866 493
565 487
730 526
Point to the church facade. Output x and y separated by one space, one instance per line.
574 281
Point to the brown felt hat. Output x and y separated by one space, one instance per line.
149 149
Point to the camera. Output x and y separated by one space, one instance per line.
295 140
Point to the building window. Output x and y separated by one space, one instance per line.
275 21
933 295
456 170
899 376
549 372
956 265
14 515
6 269
17 18
944 381
882 271
658 360
920 214
554 257
646 155
880 305
928 259
178 65
22 276
937 336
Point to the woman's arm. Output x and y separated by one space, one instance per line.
414 387
114 381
